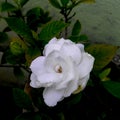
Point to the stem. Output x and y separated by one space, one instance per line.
7 12
66 12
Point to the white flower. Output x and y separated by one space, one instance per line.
64 68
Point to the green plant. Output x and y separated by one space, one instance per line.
33 31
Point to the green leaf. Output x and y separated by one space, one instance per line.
8 57
7 7
21 2
74 99
103 75
40 17
3 37
81 38
21 28
16 48
50 30
22 99
103 54
113 88
31 54
55 3
19 74
64 2
76 28
28 116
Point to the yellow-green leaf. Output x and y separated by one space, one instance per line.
103 75
17 46
103 54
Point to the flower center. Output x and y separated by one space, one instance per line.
58 69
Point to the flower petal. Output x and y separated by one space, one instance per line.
81 47
37 64
86 65
52 96
73 51
73 84
83 81
71 87
53 40
56 58
34 82
54 44
47 79
70 75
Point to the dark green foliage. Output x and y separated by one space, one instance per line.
33 116
37 17
20 27
7 7
21 3
22 99
75 34
79 39
8 57
19 74
34 29
74 99
113 88
51 30
55 3
76 28
31 53
64 2
3 37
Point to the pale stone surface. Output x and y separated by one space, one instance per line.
100 21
